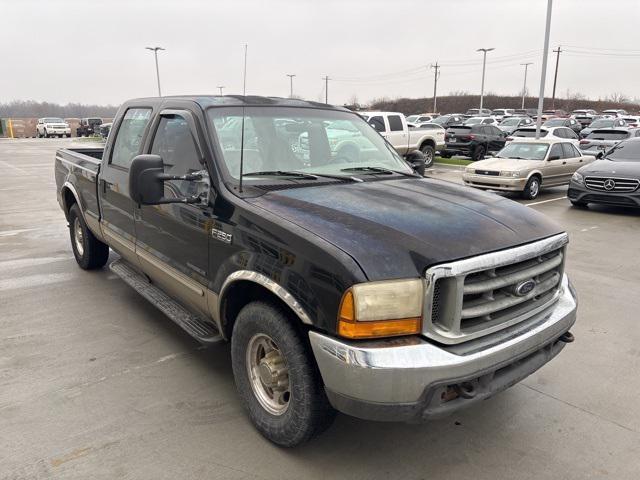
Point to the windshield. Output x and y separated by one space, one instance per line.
524 151
412 118
441 120
473 121
300 139
601 124
628 151
53 120
555 123
529 132
510 122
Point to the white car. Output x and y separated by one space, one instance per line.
480 121
548 133
615 113
502 113
52 127
421 118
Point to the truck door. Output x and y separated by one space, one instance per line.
116 205
398 134
172 239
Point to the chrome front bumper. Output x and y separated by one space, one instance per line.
411 378
494 182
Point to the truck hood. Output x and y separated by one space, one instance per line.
398 228
613 169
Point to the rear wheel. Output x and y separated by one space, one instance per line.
532 188
478 153
90 252
276 377
428 152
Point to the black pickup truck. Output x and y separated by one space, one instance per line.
351 284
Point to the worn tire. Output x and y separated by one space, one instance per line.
308 412
94 253
429 153
478 153
46 134
532 188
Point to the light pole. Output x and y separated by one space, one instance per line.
155 53
484 64
220 87
543 74
291 75
524 87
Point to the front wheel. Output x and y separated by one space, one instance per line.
90 253
428 152
276 377
531 189
46 134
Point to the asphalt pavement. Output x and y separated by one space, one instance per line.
96 384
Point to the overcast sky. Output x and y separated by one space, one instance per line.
93 51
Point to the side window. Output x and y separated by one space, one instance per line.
174 143
560 132
129 136
568 150
556 151
377 123
572 135
395 123
496 130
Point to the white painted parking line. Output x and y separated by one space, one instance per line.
545 201
12 233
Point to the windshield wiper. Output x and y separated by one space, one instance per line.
296 174
281 173
382 170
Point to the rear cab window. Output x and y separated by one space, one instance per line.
395 123
129 136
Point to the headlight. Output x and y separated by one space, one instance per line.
470 170
381 309
578 178
510 174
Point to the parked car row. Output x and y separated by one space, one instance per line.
57 127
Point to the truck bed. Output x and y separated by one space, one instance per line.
76 171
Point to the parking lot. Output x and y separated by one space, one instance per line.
96 383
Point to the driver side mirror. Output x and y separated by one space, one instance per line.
417 161
599 155
147 177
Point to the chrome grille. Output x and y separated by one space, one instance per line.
612 184
481 295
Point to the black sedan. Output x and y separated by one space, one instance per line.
613 179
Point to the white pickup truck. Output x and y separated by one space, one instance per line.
393 127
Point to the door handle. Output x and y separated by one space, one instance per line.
564 163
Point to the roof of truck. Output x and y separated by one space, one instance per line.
239 100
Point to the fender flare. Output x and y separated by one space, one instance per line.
274 287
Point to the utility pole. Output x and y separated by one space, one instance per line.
484 64
555 77
326 89
220 87
543 74
524 87
436 74
290 75
155 53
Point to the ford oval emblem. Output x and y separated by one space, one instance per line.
524 288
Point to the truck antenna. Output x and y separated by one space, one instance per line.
241 151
